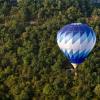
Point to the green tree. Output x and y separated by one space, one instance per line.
97 90
73 13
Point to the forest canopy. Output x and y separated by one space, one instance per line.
32 67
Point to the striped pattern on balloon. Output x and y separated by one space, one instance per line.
76 40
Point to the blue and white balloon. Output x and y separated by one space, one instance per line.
76 40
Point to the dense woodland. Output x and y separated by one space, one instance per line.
32 67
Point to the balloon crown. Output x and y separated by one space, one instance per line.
76 23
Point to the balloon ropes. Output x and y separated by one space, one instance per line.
76 40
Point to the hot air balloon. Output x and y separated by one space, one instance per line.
76 40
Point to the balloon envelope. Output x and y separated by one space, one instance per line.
76 40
